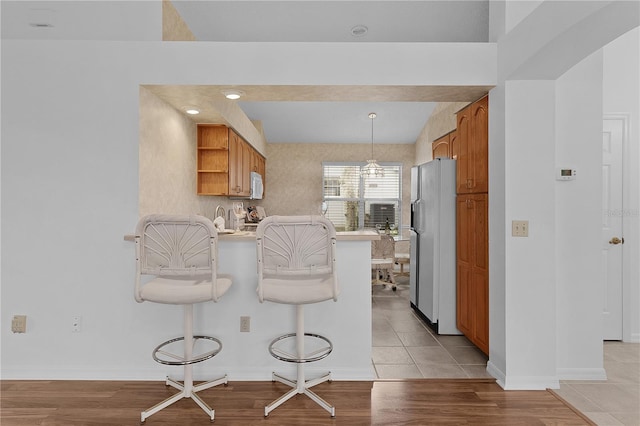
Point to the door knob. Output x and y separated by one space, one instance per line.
616 240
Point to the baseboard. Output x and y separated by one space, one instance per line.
634 338
530 383
582 374
496 373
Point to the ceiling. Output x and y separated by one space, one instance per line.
303 114
332 21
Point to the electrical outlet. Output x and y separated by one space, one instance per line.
19 324
520 228
76 324
245 324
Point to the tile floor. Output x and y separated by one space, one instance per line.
404 347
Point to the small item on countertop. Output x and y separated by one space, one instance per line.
253 215
261 213
387 227
218 222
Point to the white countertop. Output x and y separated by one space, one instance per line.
362 235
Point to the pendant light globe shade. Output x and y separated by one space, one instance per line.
372 169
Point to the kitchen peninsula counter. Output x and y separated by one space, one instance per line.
362 235
346 322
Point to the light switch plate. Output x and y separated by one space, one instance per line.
245 324
19 324
520 228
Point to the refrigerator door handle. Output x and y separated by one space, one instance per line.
415 216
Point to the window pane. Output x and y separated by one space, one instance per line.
344 214
331 187
356 202
341 181
378 212
387 186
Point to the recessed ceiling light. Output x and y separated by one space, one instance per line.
359 30
190 109
232 93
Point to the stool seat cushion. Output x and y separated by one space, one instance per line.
180 290
295 291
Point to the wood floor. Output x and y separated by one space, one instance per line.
397 402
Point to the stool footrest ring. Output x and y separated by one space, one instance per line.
286 356
179 359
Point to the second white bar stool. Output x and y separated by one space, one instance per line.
296 266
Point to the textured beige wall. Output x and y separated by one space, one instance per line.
293 178
173 27
167 162
294 173
441 122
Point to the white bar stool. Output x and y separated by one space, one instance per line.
296 266
181 253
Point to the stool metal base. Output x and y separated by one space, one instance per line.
303 389
285 356
179 359
187 388
185 393
300 357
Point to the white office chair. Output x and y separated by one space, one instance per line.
181 253
296 266
383 260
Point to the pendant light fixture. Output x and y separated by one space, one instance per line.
372 169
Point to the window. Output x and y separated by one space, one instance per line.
355 202
331 187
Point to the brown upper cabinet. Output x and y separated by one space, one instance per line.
471 148
258 163
453 145
441 147
225 162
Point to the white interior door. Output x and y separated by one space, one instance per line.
612 217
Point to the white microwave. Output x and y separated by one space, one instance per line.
256 186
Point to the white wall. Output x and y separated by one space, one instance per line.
578 209
540 109
530 262
70 176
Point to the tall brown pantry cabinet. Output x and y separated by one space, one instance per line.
470 149
472 268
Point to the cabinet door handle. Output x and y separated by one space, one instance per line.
469 183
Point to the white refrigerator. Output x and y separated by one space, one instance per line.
432 276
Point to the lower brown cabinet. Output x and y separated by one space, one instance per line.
473 268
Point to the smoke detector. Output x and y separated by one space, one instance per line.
359 30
